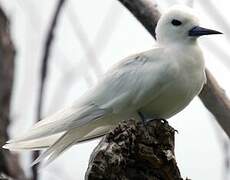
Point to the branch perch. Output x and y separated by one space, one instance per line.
132 152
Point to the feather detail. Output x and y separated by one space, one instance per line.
62 121
70 138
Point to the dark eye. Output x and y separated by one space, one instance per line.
176 22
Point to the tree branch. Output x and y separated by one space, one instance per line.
146 13
9 164
212 95
215 99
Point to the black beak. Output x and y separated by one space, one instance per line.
199 31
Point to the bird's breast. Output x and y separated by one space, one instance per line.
183 86
172 100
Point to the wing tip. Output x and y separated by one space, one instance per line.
36 161
10 147
5 146
10 141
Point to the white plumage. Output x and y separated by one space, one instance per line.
158 83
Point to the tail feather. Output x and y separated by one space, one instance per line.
70 138
36 144
58 143
58 146
62 121
51 125
63 143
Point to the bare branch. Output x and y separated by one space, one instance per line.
101 40
44 67
91 55
145 11
216 101
9 164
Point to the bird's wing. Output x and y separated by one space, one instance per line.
61 121
128 86
135 81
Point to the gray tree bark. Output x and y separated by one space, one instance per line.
9 165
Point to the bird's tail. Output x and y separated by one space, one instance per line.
58 143
62 121
65 141
35 144
62 130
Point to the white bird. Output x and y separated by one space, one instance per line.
154 84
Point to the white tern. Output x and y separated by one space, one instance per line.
154 84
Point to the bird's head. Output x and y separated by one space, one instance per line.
180 24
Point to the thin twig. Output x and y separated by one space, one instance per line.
44 67
145 11
102 38
84 41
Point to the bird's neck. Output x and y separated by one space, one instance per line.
189 54
187 42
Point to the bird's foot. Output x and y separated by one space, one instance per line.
161 120
142 119
155 119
